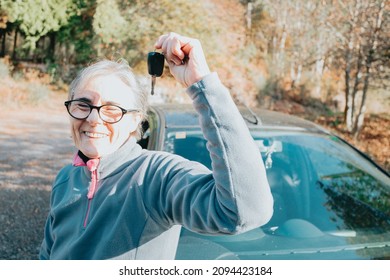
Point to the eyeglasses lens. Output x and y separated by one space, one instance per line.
108 113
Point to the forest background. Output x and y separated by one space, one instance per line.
325 60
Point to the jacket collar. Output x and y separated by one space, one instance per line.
108 164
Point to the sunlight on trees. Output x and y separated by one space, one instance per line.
305 39
318 49
37 18
362 45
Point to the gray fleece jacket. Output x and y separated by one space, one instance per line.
144 197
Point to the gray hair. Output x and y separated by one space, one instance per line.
123 71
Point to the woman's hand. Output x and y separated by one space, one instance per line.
184 56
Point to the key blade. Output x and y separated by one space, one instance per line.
153 84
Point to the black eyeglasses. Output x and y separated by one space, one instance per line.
80 110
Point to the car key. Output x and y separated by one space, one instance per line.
155 66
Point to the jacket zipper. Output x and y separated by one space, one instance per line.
91 193
87 213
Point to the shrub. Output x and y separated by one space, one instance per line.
37 93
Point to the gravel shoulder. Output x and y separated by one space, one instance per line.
35 144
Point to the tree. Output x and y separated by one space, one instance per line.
77 39
3 27
128 29
361 27
131 27
110 27
37 18
298 40
307 37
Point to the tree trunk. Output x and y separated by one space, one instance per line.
355 89
319 71
3 37
362 110
369 60
15 43
348 112
348 96
280 55
248 17
52 46
295 74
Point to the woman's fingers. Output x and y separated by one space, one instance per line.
172 46
185 57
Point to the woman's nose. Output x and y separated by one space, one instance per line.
94 117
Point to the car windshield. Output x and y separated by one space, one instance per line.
322 189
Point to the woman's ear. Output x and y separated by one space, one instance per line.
138 118
136 123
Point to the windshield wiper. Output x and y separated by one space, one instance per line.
352 247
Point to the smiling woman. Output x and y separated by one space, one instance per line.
119 201
105 83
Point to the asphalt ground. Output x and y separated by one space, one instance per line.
35 144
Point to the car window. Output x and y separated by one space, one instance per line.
338 188
188 144
353 192
321 188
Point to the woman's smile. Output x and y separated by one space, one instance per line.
95 135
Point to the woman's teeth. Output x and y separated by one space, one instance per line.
95 134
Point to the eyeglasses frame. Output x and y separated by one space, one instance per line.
91 107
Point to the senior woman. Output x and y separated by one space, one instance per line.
118 201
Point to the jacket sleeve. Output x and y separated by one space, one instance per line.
236 196
47 243
44 252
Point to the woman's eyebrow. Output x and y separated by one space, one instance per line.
87 100
84 99
108 102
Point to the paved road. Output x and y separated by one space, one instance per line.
34 144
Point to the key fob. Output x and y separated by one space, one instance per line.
155 64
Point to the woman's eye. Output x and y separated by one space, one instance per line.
82 106
111 109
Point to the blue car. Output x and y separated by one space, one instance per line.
331 201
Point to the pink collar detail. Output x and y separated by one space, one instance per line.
92 165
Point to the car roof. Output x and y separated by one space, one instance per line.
184 115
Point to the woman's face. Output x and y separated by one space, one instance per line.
92 136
